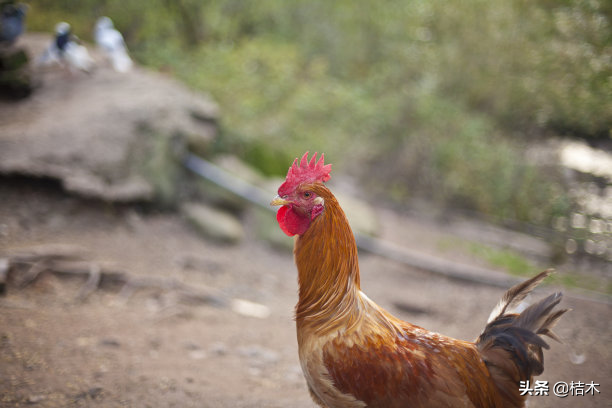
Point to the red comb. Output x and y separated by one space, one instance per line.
309 172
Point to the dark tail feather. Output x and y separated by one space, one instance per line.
550 322
511 344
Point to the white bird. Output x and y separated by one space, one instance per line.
67 50
111 42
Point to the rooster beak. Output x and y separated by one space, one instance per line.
279 201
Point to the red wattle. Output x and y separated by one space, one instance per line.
290 222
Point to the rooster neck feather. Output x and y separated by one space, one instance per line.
328 268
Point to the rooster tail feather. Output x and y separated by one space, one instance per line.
517 294
537 315
511 344
550 322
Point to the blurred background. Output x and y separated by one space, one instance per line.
459 105
491 119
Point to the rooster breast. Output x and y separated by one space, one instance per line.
381 362
316 341
320 383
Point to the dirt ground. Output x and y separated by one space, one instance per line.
158 349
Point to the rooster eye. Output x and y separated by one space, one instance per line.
307 194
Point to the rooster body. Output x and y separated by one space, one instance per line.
353 353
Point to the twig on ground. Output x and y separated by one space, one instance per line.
27 265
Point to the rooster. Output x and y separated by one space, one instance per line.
354 353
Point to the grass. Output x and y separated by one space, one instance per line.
517 264
506 259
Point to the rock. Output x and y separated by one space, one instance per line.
213 223
199 140
35 399
105 135
15 77
134 188
110 342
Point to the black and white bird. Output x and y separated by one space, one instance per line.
66 49
111 42
12 18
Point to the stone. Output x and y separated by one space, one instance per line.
213 223
106 135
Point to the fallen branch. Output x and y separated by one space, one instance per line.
439 266
27 266
48 251
32 273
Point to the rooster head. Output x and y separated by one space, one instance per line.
297 196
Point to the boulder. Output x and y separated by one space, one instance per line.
15 79
106 135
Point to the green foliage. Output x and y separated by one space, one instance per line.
530 64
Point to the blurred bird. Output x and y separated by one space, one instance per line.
356 354
66 49
11 22
111 42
